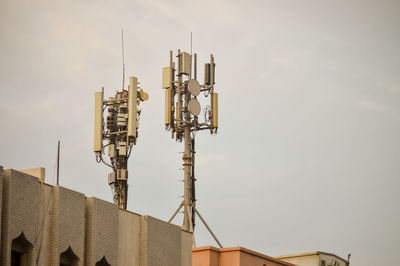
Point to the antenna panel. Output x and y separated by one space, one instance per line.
185 63
167 77
214 104
212 74
98 122
168 106
207 74
178 112
132 107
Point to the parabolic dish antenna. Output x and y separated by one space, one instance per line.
194 87
194 107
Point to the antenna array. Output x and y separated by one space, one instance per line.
182 110
121 132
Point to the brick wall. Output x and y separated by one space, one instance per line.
20 214
186 247
102 222
67 224
129 234
160 243
54 219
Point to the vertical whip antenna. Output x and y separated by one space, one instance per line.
123 61
58 163
190 43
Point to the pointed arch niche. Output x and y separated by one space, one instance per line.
21 251
68 258
103 262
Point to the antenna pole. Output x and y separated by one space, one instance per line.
58 164
123 62
208 228
182 111
187 164
193 183
195 66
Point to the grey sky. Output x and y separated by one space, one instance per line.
307 156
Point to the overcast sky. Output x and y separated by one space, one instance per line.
307 156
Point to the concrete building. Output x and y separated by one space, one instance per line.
317 258
52 225
235 256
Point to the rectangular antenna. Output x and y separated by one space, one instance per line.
214 102
186 63
168 102
207 74
132 107
167 77
98 121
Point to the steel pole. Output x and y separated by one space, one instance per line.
58 164
175 213
187 165
208 228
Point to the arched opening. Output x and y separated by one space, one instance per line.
103 262
21 251
68 258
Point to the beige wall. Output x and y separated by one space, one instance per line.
129 229
160 243
187 243
311 260
67 224
102 230
236 256
20 213
43 244
38 172
329 259
54 218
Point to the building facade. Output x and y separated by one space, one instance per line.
234 256
317 258
52 225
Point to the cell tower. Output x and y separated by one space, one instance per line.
121 131
182 110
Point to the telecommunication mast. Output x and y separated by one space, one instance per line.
120 131
182 111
